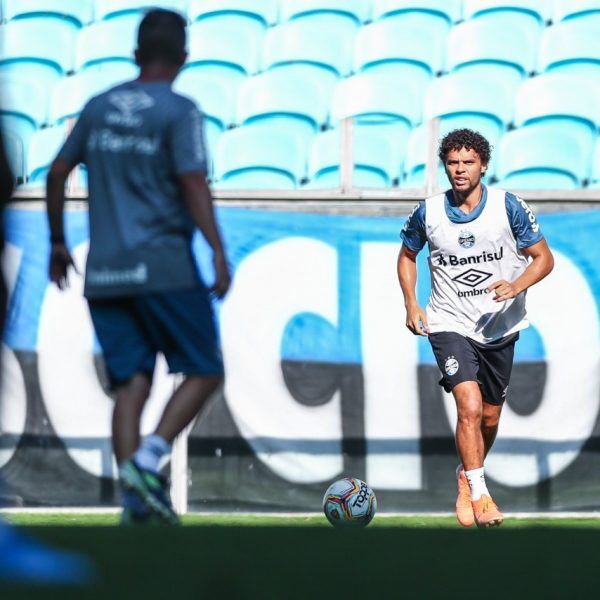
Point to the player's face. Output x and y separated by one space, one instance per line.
464 169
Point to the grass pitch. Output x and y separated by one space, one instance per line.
280 558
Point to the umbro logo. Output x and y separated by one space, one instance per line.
472 277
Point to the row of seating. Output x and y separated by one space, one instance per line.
542 155
269 12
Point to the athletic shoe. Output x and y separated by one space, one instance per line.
151 488
486 512
131 518
464 508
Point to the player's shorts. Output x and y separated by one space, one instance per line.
463 359
179 324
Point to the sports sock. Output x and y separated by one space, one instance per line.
151 450
476 480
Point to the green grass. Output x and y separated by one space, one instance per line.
269 557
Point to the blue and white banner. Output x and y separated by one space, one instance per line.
322 377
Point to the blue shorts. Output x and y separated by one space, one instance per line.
179 324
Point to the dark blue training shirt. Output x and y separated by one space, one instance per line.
526 232
135 140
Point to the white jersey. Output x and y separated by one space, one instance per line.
464 259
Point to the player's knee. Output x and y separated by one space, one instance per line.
470 414
490 419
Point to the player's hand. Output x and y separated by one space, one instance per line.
416 320
504 290
60 261
222 275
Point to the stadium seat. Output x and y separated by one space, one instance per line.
571 9
462 101
253 16
404 53
23 110
43 149
376 163
108 9
329 11
596 166
544 157
223 48
515 9
107 41
79 12
475 47
247 158
572 46
310 51
72 93
567 101
40 49
418 147
278 100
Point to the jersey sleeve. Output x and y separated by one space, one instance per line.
523 222
186 141
73 149
413 233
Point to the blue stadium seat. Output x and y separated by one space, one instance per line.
404 53
224 49
571 9
310 51
112 41
572 46
375 100
462 101
15 152
376 163
108 9
476 47
544 157
568 101
521 10
596 166
43 149
417 149
72 93
328 10
253 16
278 100
432 18
23 110
247 158
79 12
38 48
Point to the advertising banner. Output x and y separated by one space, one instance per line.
323 379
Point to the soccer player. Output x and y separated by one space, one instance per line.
486 249
144 150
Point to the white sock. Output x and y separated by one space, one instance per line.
476 480
151 450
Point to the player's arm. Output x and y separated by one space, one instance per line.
530 242
198 199
541 265
416 318
414 238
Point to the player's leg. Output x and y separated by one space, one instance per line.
489 424
469 438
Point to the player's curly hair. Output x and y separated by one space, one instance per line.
162 37
465 138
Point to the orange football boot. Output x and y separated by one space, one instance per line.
464 508
486 512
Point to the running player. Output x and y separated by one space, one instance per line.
144 151
486 249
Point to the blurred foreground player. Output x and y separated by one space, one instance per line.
23 560
144 150
485 249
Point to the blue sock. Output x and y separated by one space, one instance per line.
132 501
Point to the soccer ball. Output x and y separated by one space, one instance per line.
349 501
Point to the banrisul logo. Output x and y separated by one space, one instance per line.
466 239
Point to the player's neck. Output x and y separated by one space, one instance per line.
467 201
158 72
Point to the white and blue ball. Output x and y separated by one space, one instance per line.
349 501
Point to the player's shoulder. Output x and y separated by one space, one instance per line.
182 103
